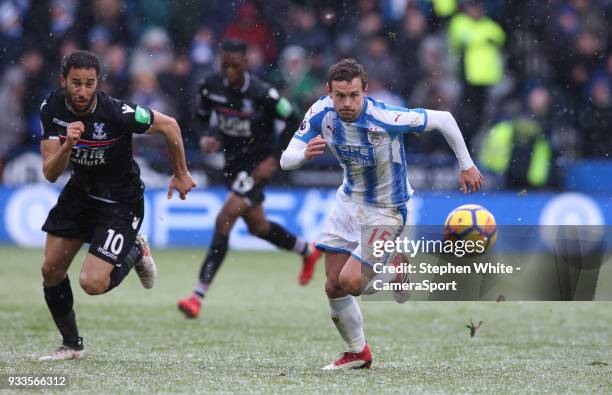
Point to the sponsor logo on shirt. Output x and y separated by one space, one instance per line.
415 118
356 154
60 122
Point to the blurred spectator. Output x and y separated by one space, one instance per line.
437 89
378 90
153 54
187 17
306 34
66 47
595 120
519 148
411 32
475 41
249 27
178 87
116 79
365 17
257 62
12 125
147 93
63 16
381 63
202 52
11 30
36 85
110 15
299 85
153 13
99 40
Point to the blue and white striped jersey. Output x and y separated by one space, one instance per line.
369 149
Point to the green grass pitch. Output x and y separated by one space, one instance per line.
261 332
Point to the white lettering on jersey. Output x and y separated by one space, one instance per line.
60 122
355 154
234 127
215 97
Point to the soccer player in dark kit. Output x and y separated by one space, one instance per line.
102 203
245 109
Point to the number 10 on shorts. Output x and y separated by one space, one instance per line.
114 241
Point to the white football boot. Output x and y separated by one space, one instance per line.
63 353
146 268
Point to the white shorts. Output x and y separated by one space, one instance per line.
342 231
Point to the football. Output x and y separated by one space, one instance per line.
471 222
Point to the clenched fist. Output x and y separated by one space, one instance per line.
74 130
315 147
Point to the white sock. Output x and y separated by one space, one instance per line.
301 246
347 317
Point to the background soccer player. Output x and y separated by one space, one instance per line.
102 203
366 137
245 109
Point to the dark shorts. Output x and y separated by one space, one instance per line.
109 228
253 195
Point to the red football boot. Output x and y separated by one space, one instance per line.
309 262
190 306
351 360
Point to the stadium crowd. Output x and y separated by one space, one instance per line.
529 82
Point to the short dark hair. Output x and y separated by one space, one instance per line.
346 70
80 60
233 45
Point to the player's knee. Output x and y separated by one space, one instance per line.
333 289
350 284
93 285
46 271
52 273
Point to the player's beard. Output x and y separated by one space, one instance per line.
347 116
81 107
350 115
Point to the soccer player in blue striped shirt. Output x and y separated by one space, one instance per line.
366 137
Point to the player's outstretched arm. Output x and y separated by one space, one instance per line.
298 152
181 180
56 155
470 179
